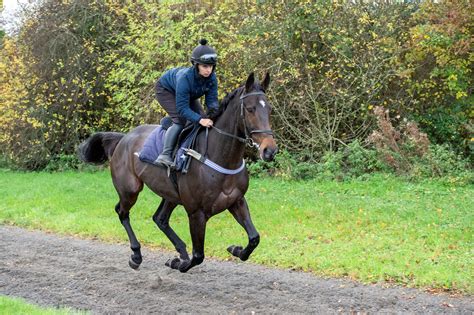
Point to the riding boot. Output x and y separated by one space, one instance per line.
171 137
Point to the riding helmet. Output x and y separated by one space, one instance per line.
204 54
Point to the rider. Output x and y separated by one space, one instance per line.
178 92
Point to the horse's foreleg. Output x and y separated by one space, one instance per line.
123 211
240 211
197 225
162 218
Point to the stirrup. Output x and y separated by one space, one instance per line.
164 160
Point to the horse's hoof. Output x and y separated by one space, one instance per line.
133 264
184 266
173 263
235 250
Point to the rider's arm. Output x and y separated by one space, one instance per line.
211 96
183 100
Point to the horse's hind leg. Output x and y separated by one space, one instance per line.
128 187
162 219
123 210
240 211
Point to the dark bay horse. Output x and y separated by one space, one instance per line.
203 191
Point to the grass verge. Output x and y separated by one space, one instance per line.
383 229
10 305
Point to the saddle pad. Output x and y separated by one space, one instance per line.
153 146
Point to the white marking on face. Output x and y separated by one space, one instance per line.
262 102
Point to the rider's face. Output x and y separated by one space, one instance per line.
205 70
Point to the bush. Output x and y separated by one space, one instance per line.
259 168
353 162
398 147
450 126
359 161
4 163
446 162
401 151
69 162
443 162
331 165
284 166
79 66
406 150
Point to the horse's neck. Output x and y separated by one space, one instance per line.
224 150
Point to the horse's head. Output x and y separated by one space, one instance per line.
255 111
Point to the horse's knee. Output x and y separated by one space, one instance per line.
122 214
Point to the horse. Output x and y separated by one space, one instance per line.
243 119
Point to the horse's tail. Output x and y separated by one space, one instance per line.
99 147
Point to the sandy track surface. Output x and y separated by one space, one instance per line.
52 270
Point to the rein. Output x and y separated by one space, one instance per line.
248 139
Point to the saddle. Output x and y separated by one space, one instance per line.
153 145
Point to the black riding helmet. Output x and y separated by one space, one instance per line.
204 54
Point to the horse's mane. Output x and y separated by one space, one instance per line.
223 104
226 101
214 114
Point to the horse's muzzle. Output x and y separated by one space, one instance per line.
268 149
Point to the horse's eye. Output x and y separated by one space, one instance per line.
250 109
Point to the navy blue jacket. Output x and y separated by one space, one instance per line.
188 85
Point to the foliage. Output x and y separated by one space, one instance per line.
408 151
259 168
61 44
438 71
451 126
441 41
332 63
21 132
80 66
70 162
353 161
164 41
398 148
441 161
285 166
381 229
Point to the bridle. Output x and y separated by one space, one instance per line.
247 140
248 133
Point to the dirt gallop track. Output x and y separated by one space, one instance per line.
61 271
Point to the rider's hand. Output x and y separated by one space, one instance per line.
205 122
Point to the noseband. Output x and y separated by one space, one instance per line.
248 133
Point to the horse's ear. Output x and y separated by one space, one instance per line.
266 81
250 82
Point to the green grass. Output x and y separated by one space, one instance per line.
13 306
380 230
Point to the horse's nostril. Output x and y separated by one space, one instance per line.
268 154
